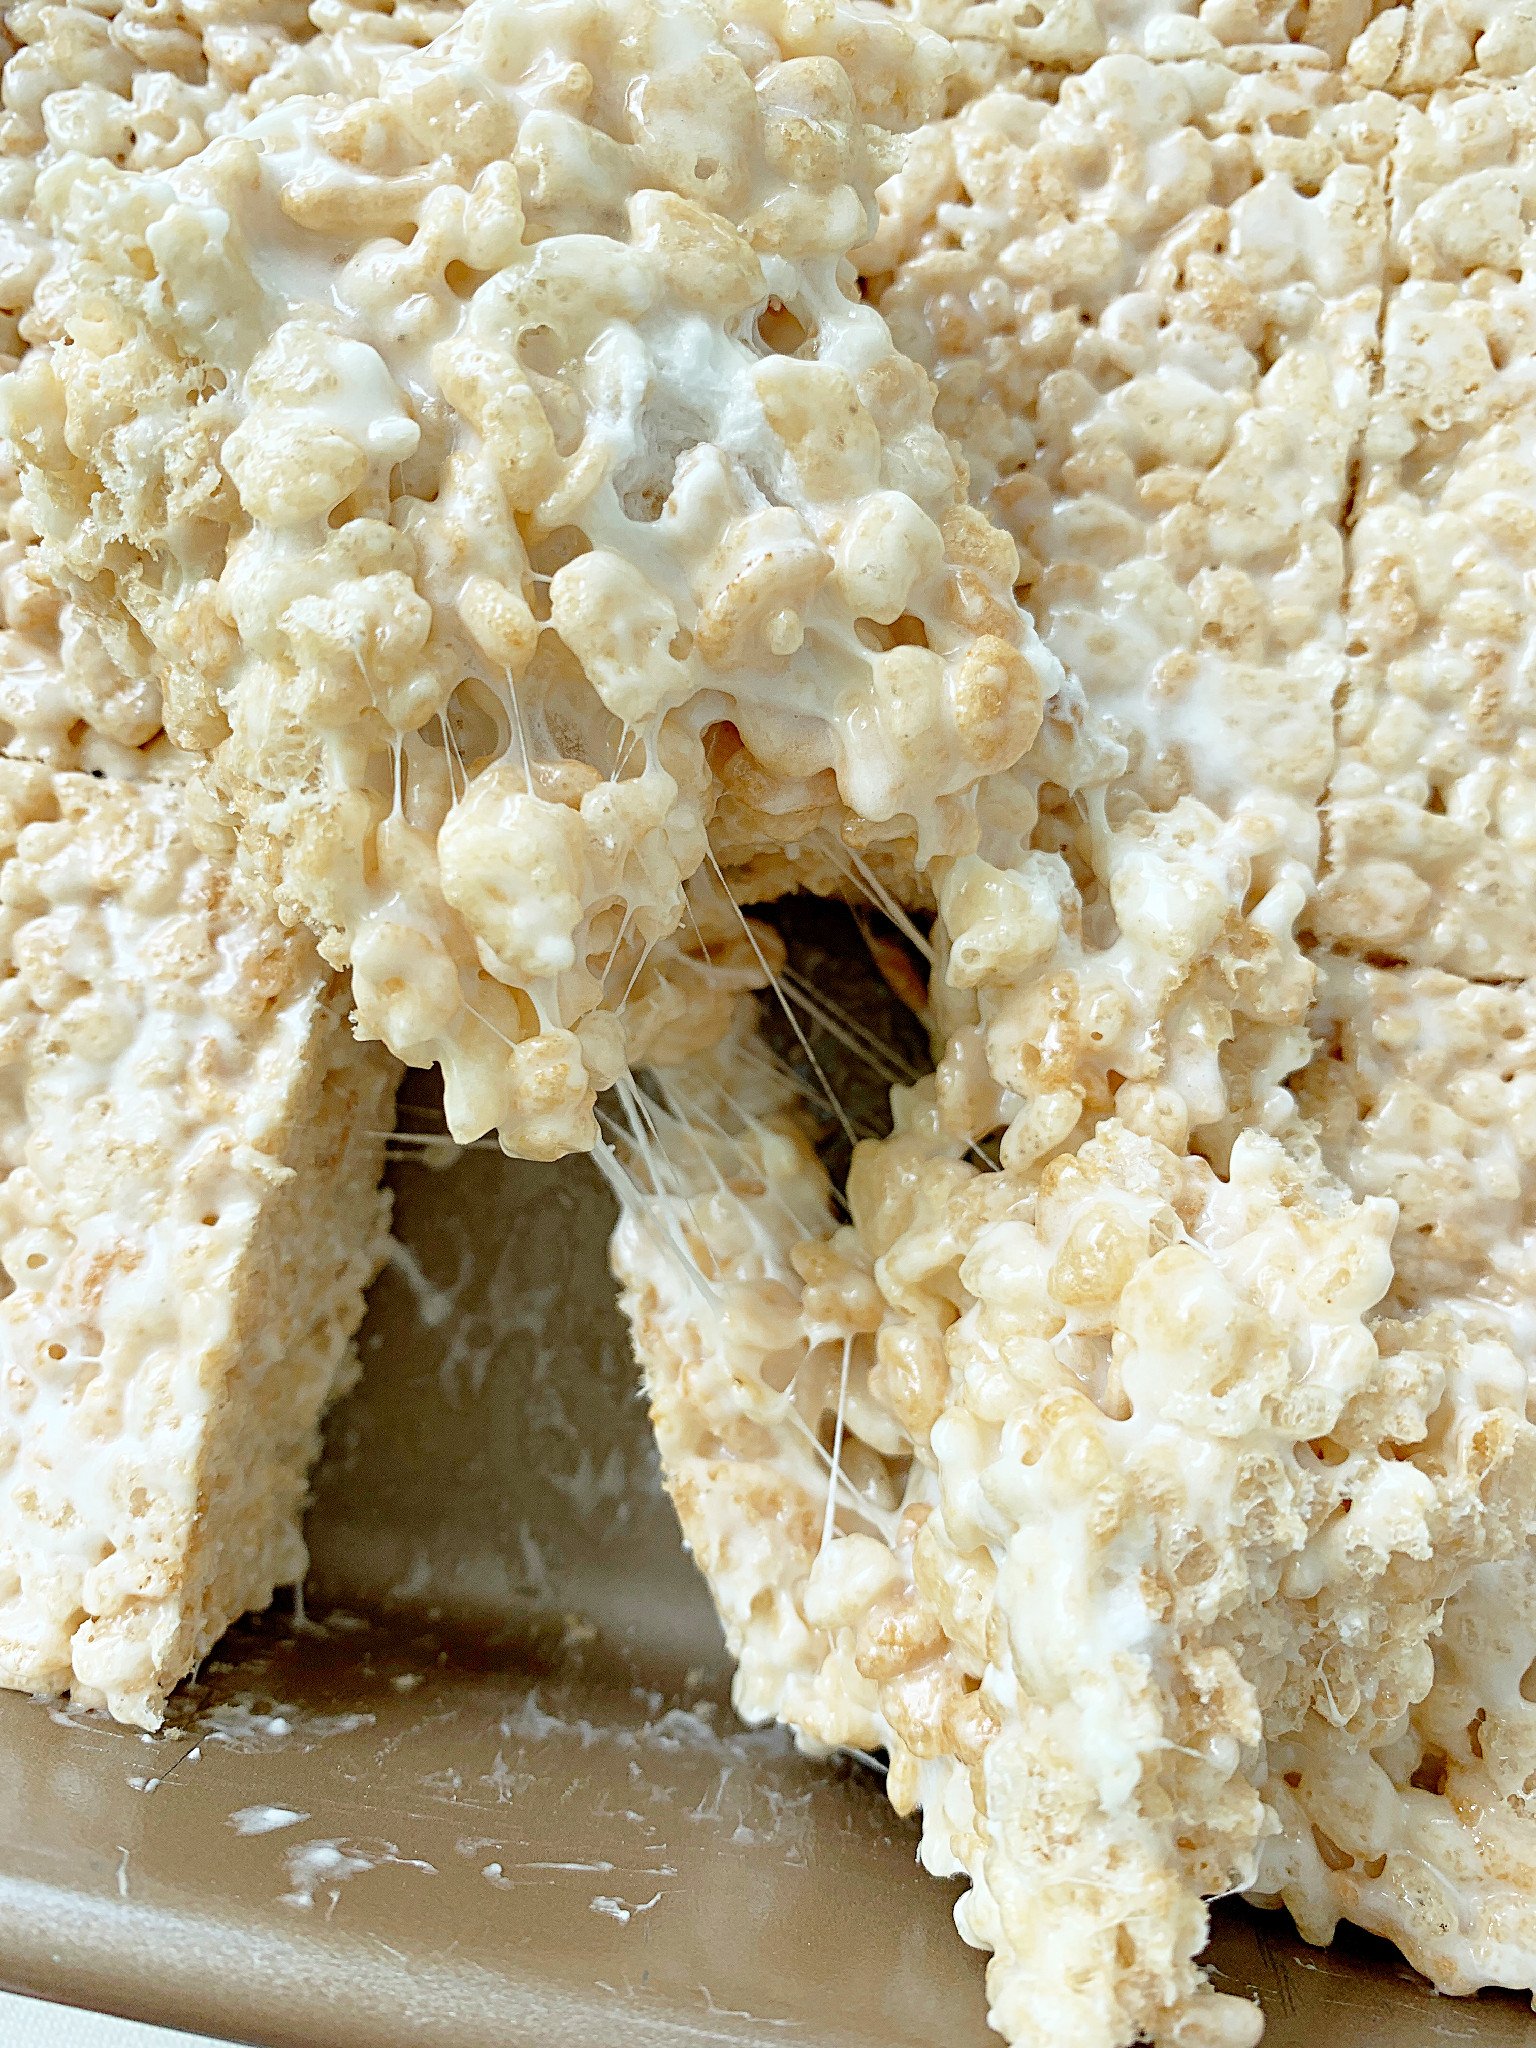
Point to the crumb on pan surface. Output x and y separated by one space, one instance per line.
189 1214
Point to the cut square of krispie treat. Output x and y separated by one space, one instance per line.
1431 824
191 1143
1424 1089
1151 310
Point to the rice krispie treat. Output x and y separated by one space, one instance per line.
191 1142
1420 1084
1429 820
130 86
1084 1491
921 1456
1419 1091
1151 311
520 447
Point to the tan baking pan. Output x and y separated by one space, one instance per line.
491 1793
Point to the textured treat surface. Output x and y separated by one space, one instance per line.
142 87
191 1143
535 478
503 472
1089 1494
1238 351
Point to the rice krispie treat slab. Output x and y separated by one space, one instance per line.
130 86
191 1142
1151 310
1086 1493
537 453
1328 1700
1420 1085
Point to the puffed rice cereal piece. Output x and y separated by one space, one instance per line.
515 441
1080 1491
1431 820
190 1149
